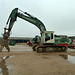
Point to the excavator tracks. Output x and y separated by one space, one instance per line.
48 48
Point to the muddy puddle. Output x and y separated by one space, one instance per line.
3 67
69 58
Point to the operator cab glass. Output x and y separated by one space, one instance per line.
48 36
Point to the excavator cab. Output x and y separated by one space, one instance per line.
47 37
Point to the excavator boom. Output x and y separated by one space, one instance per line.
25 16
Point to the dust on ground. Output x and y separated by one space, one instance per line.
23 61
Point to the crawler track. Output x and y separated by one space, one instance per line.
48 48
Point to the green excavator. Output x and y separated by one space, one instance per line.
47 41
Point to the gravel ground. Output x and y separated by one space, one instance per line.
23 61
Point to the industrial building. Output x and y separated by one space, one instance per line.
19 39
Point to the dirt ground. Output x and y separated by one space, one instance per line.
23 61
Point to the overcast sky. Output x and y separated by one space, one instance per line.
57 15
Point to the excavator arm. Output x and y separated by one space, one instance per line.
23 15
